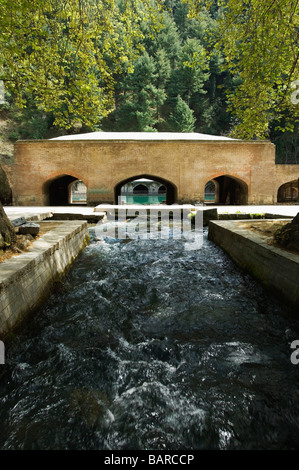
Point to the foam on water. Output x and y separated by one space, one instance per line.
147 345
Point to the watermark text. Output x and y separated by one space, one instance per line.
2 353
165 222
150 459
295 354
295 94
2 92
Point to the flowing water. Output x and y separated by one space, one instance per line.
146 345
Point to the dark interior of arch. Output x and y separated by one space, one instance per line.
59 190
140 189
170 188
231 190
288 192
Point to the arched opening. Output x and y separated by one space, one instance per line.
58 191
140 189
78 192
162 189
229 190
124 190
288 192
210 192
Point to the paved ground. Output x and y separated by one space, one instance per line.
276 209
40 213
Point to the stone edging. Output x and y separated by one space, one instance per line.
26 280
276 269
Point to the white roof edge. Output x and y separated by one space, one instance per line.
141 136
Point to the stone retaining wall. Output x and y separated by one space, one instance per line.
276 269
26 279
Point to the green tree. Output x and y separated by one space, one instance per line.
166 38
210 107
287 143
183 66
260 44
182 118
163 69
140 98
64 54
191 71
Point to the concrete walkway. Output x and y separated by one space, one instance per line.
40 213
36 213
289 210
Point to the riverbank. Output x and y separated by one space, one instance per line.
26 280
274 267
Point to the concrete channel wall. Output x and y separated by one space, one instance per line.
26 279
276 269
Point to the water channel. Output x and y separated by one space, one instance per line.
147 345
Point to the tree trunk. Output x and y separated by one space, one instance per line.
7 232
5 190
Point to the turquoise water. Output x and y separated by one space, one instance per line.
144 199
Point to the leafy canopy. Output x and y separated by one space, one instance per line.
64 53
260 40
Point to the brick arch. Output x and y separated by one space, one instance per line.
286 179
171 189
231 189
288 191
60 183
235 176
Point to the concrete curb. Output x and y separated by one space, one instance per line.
26 279
276 269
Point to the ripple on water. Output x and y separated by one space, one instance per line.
147 345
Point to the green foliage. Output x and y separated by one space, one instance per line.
110 64
139 100
287 144
30 123
259 40
191 71
64 54
182 118
167 38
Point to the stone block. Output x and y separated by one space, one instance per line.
19 221
29 228
209 214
